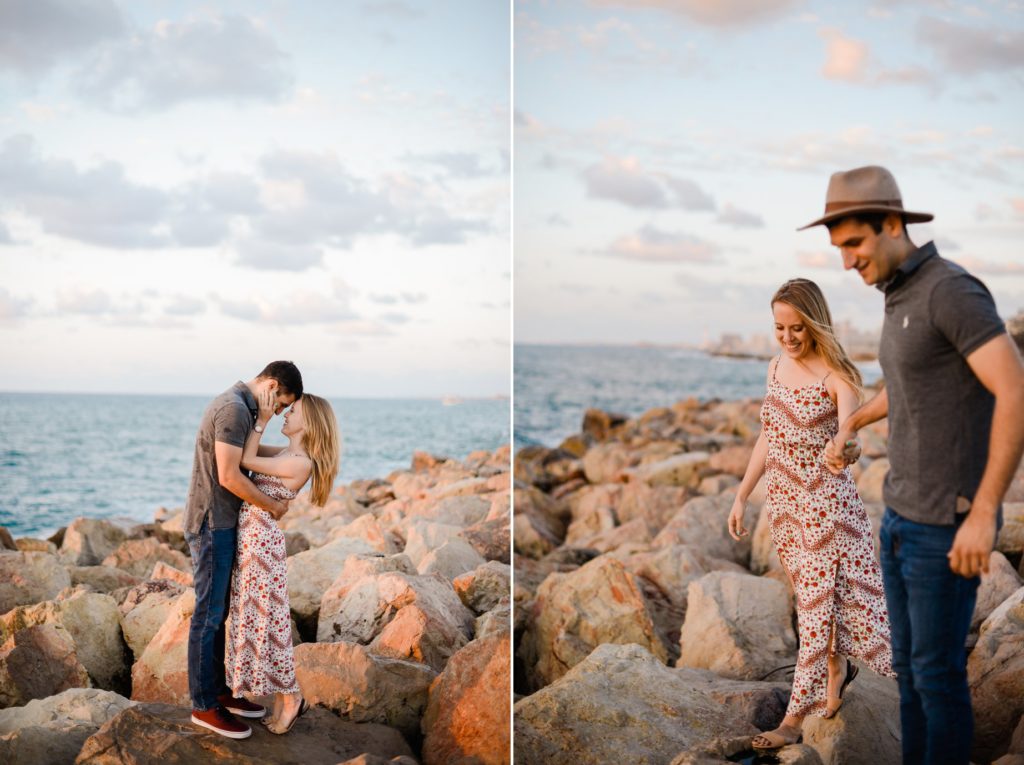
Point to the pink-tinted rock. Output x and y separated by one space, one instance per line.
37 662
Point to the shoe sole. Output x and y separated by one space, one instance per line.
221 731
245 713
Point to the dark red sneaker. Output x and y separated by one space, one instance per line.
240 707
221 721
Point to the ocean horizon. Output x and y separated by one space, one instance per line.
121 456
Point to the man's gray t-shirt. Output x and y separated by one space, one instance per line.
228 418
940 415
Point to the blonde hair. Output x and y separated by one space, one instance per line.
806 298
323 445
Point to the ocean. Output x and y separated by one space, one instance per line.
123 456
555 384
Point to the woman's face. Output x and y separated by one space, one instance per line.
790 331
293 422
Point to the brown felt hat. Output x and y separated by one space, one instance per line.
865 189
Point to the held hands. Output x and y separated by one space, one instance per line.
972 546
736 528
836 457
279 511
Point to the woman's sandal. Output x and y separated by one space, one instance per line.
276 729
777 738
851 672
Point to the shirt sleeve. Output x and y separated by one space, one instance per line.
963 310
231 424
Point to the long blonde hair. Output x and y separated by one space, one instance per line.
806 298
323 445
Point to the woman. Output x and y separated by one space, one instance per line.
818 522
259 652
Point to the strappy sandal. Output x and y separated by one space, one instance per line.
851 672
778 738
303 707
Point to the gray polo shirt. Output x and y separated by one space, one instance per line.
940 415
228 418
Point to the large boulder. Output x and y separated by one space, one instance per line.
575 612
402 616
701 522
363 687
453 558
491 538
467 715
52 730
869 485
737 625
144 610
367 528
37 662
1011 536
867 729
483 588
604 463
102 578
456 510
30 577
93 621
997 585
161 673
311 573
995 672
161 734
87 541
623 705
422 537
139 556
678 470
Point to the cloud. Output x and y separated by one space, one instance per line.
5 234
713 13
395 317
203 58
990 267
415 297
970 50
1017 205
737 218
13 308
81 300
274 256
817 259
652 244
392 9
36 34
459 164
624 181
555 219
384 299
183 305
846 58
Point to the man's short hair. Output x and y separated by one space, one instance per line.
873 219
287 376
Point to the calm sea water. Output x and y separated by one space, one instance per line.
122 457
554 385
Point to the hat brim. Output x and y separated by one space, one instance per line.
908 216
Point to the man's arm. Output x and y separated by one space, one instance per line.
230 476
998 366
874 410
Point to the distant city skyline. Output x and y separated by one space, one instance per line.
665 154
189 190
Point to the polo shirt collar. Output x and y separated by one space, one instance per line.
907 268
247 397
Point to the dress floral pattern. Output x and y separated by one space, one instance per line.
259 648
823 536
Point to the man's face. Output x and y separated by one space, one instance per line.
872 255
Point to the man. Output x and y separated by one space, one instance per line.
954 396
218 488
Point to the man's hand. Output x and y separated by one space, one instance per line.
279 510
836 458
972 545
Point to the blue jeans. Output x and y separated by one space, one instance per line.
930 609
213 557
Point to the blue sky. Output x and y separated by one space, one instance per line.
191 189
666 151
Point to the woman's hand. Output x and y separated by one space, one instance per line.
736 528
838 458
267 405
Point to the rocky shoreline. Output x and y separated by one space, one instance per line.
399 590
644 634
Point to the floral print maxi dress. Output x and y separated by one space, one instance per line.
823 536
259 646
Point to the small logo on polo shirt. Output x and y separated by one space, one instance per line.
906 321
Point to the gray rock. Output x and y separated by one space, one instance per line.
27 578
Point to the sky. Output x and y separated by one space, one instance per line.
667 150
189 190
